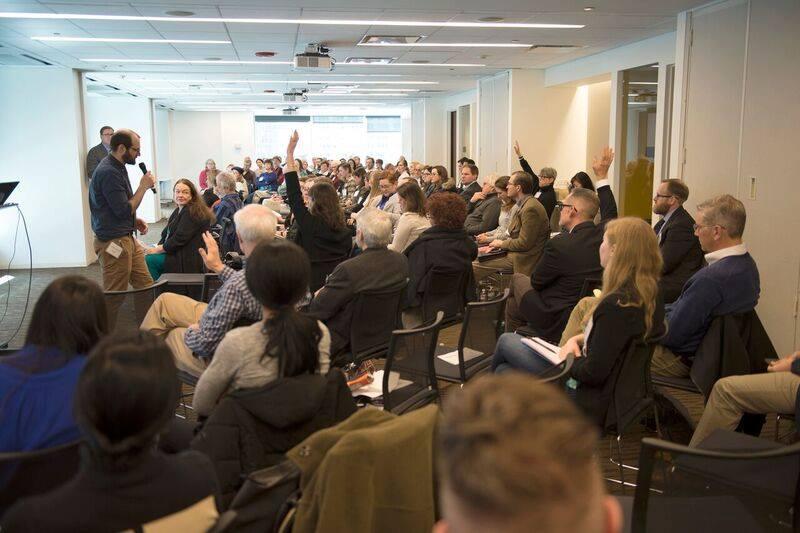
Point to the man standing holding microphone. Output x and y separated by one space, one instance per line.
113 206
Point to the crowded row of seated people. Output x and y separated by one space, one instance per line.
657 285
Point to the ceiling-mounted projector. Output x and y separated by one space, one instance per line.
295 95
314 59
289 111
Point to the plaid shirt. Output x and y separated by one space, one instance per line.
232 301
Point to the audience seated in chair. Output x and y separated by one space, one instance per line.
773 392
542 184
37 383
126 395
729 284
484 208
528 229
515 456
375 268
629 310
444 246
679 245
413 221
321 228
229 204
545 299
284 343
469 184
183 235
193 329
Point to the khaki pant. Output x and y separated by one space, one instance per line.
772 392
578 318
129 267
520 284
667 364
169 317
484 270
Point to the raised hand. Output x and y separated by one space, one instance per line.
516 149
290 166
601 163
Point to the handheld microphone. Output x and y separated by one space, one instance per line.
143 167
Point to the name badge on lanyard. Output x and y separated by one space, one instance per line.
538 194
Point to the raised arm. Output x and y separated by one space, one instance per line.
525 166
600 166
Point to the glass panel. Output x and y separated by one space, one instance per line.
637 153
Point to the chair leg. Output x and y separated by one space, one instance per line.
658 424
621 465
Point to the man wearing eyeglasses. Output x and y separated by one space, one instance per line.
679 246
99 152
728 285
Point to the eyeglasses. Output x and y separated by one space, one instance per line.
662 196
699 226
562 205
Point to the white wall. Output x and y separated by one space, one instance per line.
237 138
196 136
131 113
52 193
742 121
431 126
598 120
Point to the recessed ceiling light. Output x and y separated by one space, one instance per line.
118 40
369 60
452 45
316 22
179 13
588 8
215 60
398 40
361 82
491 19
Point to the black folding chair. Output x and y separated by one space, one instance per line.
24 474
410 359
127 309
560 372
479 332
376 314
445 292
732 482
211 284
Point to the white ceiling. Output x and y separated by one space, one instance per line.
611 23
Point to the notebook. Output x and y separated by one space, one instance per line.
551 352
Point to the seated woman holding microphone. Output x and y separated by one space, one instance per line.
183 234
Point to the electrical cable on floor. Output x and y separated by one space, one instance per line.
4 345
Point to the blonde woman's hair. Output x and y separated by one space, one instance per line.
374 183
632 273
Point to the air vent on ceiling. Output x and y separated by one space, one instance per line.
389 39
43 62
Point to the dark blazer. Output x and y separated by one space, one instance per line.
447 249
614 329
484 215
467 192
251 429
681 252
373 269
181 238
359 198
546 195
93 158
568 259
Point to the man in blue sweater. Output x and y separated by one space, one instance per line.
728 285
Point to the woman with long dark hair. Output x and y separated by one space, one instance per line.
38 382
183 234
125 397
285 344
321 228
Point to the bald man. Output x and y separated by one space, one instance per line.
113 206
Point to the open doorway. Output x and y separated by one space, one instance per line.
453 142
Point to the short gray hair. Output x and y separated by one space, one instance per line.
548 173
588 200
725 211
376 228
226 181
255 223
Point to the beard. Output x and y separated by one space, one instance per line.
129 160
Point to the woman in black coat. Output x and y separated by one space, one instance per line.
444 246
321 229
183 234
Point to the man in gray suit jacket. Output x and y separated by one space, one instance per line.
99 152
375 269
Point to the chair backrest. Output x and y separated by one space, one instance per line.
211 284
633 390
126 309
481 328
25 474
444 292
321 269
589 285
375 315
691 489
410 356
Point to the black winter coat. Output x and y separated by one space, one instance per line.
181 238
